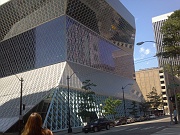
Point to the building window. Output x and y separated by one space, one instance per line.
162 82
161 76
163 93
160 71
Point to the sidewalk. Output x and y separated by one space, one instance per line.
170 130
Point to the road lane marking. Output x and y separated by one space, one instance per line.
147 128
132 129
116 130
160 127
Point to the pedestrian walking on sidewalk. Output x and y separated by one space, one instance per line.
34 126
175 115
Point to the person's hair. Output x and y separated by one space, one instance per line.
33 125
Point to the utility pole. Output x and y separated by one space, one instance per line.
124 99
69 113
20 105
124 102
174 91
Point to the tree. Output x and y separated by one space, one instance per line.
133 108
110 106
144 107
171 35
154 100
87 101
175 69
171 40
178 100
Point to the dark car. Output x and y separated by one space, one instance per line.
121 121
112 123
130 120
139 118
97 125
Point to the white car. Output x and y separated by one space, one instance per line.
152 116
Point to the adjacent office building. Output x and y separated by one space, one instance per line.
48 48
157 23
157 79
154 79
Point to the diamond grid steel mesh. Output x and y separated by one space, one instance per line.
37 34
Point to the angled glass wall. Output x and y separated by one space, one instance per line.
101 18
88 48
18 16
38 47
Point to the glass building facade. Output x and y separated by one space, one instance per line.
45 41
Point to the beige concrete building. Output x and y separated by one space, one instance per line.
151 78
148 79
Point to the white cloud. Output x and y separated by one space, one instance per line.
144 51
154 45
147 51
141 49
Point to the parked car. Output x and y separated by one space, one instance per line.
97 125
130 120
146 117
112 123
152 116
121 121
138 118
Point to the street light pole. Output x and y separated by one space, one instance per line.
101 110
20 111
20 107
140 43
124 103
124 99
69 119
174 91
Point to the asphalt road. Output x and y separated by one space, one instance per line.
138 128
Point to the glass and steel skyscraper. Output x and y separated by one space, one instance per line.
46 41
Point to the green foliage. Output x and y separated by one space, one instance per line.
144 107
178 100
171 36
87 98
171 40
133 108
87 85
110 106
175 69
154 100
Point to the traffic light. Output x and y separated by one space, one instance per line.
172 99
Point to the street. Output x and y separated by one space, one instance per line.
138 128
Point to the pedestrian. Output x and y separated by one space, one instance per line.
175 115
34 126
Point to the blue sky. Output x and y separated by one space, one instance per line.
144 11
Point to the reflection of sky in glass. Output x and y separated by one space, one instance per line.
50 42
84 41
106 50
